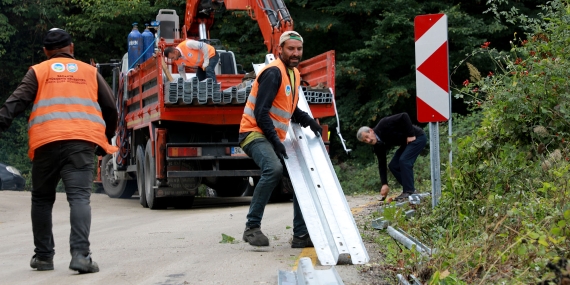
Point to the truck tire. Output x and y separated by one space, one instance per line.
115 188
150 179
140 175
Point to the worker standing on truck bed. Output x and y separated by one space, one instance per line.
74 114
271 104
195 54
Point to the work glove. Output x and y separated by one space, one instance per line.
280 150
316 128
204 66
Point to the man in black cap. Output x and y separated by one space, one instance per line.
73 115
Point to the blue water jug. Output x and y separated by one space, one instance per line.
148 41
135 46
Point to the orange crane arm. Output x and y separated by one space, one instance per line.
272 18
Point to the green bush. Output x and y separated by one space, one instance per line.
504 214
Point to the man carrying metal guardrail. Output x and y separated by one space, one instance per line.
270 106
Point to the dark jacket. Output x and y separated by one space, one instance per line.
392 131
269 82
25 94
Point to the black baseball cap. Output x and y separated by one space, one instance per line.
56 38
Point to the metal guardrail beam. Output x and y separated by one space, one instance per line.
381 224
402 280
408 241
415 280
307 275
321 199
413 199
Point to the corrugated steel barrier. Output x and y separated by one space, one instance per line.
306 274
328 217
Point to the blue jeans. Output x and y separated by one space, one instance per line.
71 162
402 164
261 151
210 71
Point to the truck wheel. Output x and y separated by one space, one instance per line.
113 187
140 175
150 179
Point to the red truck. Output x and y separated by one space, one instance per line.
171 142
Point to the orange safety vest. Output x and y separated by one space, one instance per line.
193 57
283 106
66 105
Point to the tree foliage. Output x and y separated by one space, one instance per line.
373 40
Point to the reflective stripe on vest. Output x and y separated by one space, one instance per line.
276 123
65 116
63 100
282 107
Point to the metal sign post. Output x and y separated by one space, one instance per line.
435 163
432 85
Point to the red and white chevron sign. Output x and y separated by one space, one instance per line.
432 68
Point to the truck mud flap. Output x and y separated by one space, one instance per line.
328 217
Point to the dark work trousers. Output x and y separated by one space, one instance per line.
402 164
72 162
210 71
261 151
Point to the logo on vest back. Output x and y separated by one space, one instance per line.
288 90
71 67
58 67
189 54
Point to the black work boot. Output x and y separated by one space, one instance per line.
255 237
41 264
83 264
301 241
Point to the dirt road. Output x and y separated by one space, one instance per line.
133 245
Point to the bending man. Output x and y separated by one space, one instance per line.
391 131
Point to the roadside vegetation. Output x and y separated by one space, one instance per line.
504 214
